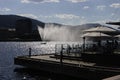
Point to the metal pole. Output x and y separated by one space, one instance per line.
29 52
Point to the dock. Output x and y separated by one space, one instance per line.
75 68
117 77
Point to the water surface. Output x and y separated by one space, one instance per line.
9 50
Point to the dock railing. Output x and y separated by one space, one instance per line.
102 49
68 50
74 50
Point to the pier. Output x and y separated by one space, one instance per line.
75 68
73 61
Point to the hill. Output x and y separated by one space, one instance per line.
39 30
8 22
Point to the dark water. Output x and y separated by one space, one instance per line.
9 71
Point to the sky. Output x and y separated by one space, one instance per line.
69 12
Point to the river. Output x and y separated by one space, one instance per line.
9 50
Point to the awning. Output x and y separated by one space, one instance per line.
95 34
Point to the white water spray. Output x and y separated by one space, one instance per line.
62 33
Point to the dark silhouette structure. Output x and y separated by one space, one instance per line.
114 23
23 27
24 30
17 28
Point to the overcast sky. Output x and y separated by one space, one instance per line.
71 12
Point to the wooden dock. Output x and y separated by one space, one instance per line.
117 77
75 68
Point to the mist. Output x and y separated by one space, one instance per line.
62 33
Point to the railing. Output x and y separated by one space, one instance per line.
104 48
75 50
68 50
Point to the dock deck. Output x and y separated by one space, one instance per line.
65 61
75 68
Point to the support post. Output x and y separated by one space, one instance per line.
84 44
29 52
61 55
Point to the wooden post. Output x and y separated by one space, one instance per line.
84 44
29 52
61 55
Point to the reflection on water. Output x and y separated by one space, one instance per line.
8 50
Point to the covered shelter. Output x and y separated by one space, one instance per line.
95 34
113 23
104 37
117 36
103 29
